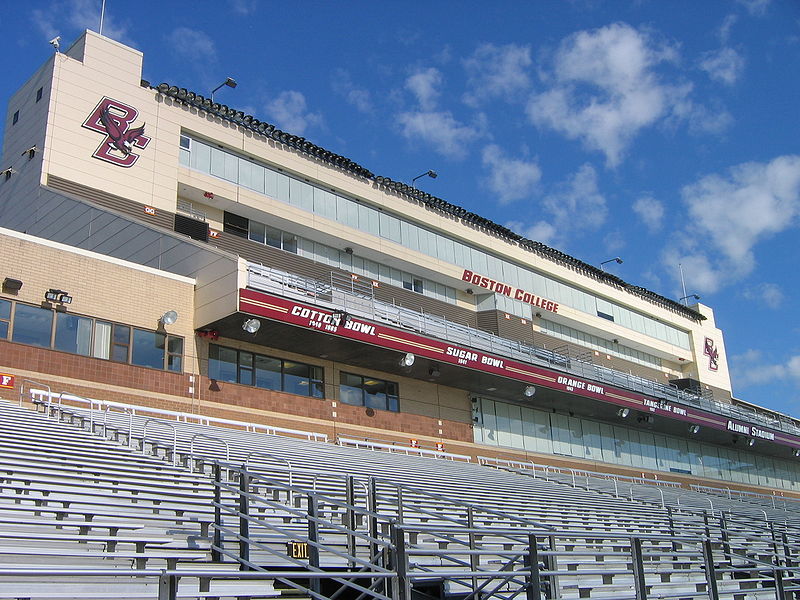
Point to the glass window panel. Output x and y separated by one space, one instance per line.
73 334
3 330
295 378
257 232
302 194
325 204
148 349
410 235
5 309
290 242
222 363
561 435
272 236
350 391
281 187
346 212
268 372
32 325
201 157
174 353
375 393
271 183
390 228
217 162
102 340
317 383
231 167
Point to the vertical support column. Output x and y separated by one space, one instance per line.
726 546
167 586
638 569
373 519
313 541
244 520
350 519
779 591
216 546
711 571
672 532
552 565
474 559
402 587
533 589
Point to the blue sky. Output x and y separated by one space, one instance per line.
662 132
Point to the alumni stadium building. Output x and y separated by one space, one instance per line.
162 250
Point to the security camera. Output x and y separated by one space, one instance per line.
55 42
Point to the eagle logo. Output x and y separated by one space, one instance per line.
113 119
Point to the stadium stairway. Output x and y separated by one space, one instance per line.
411 526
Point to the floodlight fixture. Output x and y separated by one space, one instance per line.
11 285
57 296
686 298
230 82
796 452
693 429
750 441
251 326
623 412
407 360
430 173
616 259
529 391
434 371
169 317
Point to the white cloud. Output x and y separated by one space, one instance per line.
358 97
194 45
729 215
573 206
439 129
724 65
724 31
541 231
77 15
509 179
769 294
425 86
605 90
750 368
700 118
244 7
756 8
497 72
289 112
650 211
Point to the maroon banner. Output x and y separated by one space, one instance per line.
347 326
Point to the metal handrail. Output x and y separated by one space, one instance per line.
174 437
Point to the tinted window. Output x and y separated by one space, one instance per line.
32 325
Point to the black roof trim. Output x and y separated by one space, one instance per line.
301 144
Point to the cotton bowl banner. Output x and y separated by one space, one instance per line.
347 326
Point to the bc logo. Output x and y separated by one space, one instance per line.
113 119
712 353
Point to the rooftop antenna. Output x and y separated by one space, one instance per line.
102 15
683 282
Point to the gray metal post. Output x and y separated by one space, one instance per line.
373 520
779 592
216 546
313 540
552 565
638 569
533 590
350 519
402 585
167 586
474 559
244 521
711 571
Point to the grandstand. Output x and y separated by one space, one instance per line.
234 364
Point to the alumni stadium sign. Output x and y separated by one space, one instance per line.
340 324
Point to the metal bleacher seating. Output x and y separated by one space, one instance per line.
169 508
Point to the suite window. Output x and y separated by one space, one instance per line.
73 334
266 372
15 118
371 392
86 336
32 325
5 318
39 94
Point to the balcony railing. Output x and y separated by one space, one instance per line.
356 297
